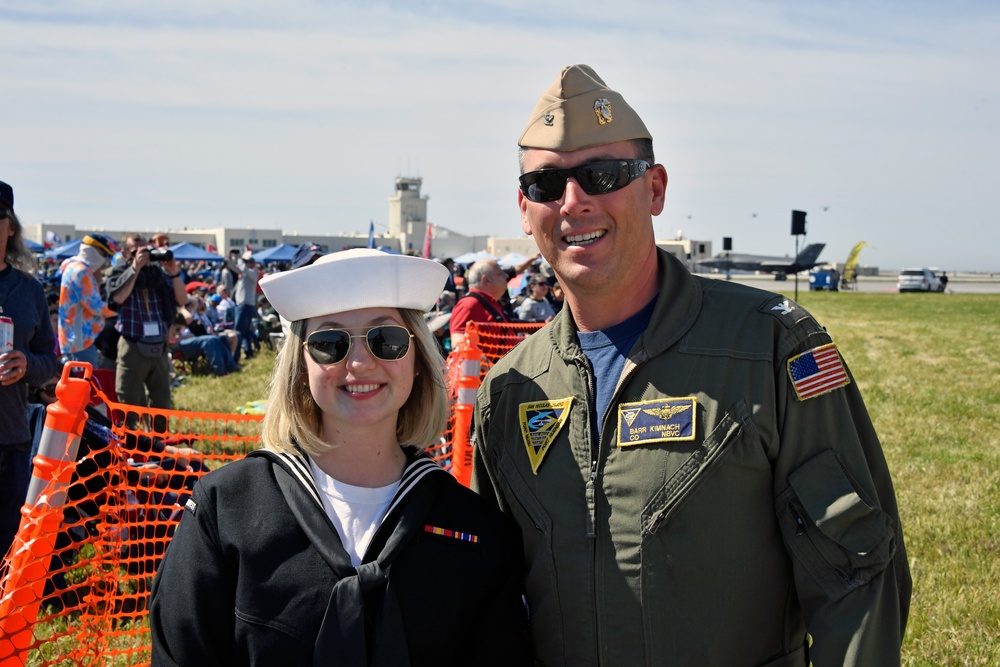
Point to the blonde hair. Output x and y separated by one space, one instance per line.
292 413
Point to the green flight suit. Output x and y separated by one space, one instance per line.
719 517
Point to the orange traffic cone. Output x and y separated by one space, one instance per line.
41 517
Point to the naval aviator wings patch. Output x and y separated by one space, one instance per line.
540 423
659 420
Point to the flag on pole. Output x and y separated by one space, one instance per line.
371 234
427 242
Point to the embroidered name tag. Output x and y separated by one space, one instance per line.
661 420
541 422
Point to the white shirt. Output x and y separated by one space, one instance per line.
356 511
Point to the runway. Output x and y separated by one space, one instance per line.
957 284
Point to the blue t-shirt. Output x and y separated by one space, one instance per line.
607 350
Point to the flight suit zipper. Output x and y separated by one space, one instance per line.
591 488
596 449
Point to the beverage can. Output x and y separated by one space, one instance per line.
6 335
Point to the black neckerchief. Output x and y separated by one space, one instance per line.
347 632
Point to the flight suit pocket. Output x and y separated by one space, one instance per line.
840 536
693 471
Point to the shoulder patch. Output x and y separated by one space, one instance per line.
191 506
787 311
818 371
540 423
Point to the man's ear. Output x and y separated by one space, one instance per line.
658 188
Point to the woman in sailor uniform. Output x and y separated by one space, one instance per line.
340 542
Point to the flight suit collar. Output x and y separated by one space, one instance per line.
677 306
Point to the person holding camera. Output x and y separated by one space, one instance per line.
146 287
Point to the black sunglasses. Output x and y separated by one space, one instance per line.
5 213
388 342
596 178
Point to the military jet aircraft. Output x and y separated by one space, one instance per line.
779 266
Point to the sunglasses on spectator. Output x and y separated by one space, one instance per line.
388 342
5 213
596 178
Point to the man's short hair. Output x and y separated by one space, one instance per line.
474 276
643 151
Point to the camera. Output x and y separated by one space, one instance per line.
160 254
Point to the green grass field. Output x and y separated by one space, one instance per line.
927 367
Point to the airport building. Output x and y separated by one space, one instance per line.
407 232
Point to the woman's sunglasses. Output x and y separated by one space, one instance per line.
596 178
388 342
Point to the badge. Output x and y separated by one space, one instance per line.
660 420
541 422
817 371
548 118
602 108
150 329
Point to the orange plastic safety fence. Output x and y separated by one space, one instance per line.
84 570
484 344
77 589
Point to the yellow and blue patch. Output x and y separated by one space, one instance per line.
659 420
540 423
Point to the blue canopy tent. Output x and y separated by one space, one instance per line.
283 252
511 260
188 252
36 248
65 250
471 257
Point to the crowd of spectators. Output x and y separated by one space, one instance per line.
203 315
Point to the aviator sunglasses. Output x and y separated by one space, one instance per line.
388 342
596 178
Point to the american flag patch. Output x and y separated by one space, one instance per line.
444 532
817 371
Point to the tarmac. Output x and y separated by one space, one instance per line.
961 283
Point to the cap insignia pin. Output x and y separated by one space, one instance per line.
549 118
602 109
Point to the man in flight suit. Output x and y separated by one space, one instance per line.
692 466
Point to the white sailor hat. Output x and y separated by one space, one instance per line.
353 279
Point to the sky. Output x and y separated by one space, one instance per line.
879 118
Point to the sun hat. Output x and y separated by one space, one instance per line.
102 243
353 279
579 111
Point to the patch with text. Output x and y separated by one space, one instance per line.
541 422
659 420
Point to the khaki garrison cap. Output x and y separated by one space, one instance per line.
580 111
